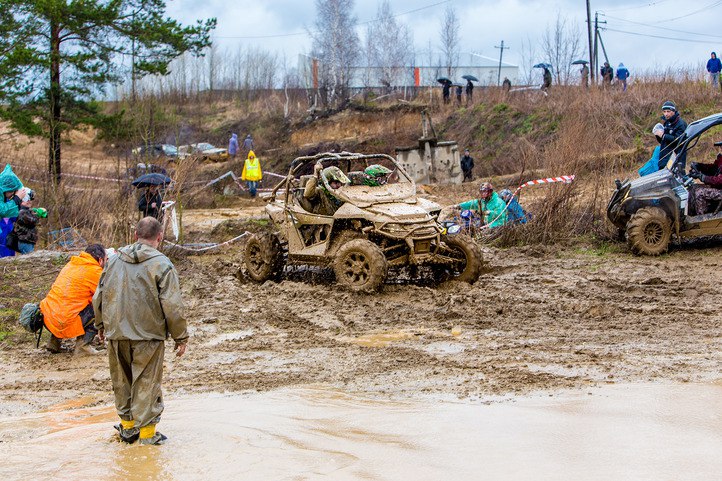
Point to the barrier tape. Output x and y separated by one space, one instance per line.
201 249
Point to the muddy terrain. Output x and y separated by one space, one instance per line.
539 320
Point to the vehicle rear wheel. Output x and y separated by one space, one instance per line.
263 257
468 258
649 231
360 265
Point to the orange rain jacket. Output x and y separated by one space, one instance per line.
71 292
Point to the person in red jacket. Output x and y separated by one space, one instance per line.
68 307
711 177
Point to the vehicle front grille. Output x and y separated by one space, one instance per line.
415 231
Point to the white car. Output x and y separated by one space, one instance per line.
204 151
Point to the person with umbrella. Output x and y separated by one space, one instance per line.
584 71
459 89
469 87
151 200
547 79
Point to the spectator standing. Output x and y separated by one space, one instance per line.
607 75
252 173
459 90
248 143
446 91
138 305
469 91
714 66
585 76
547 79
233 146
506 84
467 166
622 76
68 309
150 202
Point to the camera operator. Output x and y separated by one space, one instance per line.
711 177
25 233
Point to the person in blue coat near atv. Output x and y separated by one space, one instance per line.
515 213
489 204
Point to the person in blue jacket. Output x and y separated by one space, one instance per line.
233 146
515 214
622 76
714 66
12 194
671 135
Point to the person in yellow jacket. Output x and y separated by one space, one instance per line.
252 173
68 307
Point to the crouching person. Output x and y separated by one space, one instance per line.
138 305
68 309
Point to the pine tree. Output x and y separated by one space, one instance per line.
56 56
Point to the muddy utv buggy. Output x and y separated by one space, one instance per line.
375 229
653 209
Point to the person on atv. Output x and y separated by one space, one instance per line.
323 200
711 177
489 204
670 136
373 176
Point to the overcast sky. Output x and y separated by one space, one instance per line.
664 33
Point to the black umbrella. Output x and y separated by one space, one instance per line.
543 65
470 77
146 180
580 62
443 80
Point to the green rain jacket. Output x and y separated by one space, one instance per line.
138 297
493 209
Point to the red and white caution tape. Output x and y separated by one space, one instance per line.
201 249
565 179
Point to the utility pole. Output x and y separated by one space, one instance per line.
589 31
501 55
597 39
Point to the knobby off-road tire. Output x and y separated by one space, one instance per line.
360 266
263 257
471 260
649 231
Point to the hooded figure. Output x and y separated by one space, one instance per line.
515 214
607 74
714 66
622 76
248 143
233 145
12 191
252 172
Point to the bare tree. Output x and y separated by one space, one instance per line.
449 34
336 45
528 56
390 46
561 45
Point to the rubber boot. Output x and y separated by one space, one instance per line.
148 435
127 431
53 344
83 349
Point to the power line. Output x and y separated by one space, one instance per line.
281 35
666 29
691 13
657 36
635 8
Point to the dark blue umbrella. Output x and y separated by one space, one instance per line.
443 80
470 77
146 180
543 65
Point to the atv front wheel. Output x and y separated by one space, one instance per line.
468 258
263 257
360 265
649 231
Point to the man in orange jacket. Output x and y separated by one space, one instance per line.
68 307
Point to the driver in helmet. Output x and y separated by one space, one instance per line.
320 189
376 175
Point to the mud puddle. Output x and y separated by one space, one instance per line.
641 432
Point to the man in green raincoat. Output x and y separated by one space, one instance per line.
137 306
489 205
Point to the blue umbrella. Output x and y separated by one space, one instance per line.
147 180
543 65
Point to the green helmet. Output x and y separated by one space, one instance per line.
376 175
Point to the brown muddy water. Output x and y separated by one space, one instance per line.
640 432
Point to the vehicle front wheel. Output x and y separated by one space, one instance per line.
468 258
360 265
649 231
263 257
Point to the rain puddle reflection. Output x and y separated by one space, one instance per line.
641 432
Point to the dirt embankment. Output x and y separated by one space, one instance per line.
542 319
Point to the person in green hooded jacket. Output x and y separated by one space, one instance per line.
137 306
489 204
12 194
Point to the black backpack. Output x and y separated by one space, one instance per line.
31 318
